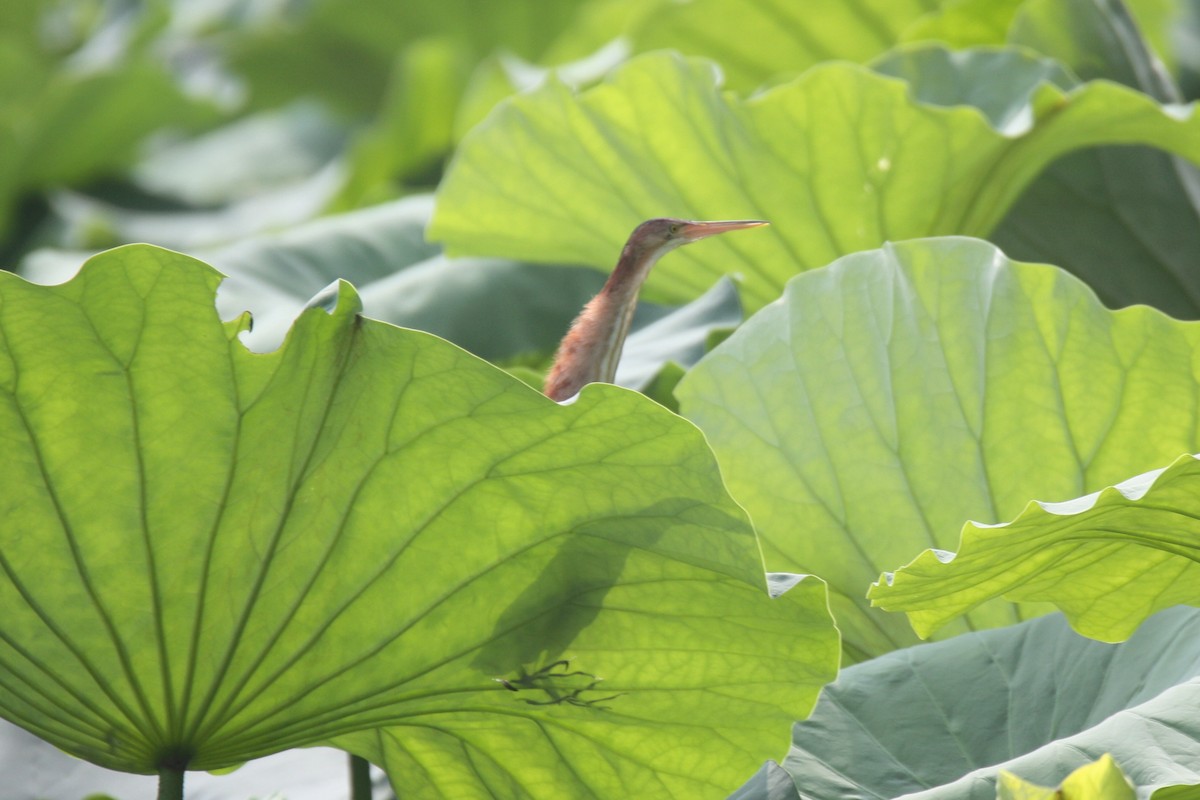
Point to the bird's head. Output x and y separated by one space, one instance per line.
664 234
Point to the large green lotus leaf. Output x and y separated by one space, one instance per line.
1108 560
209 555
942 721
840 160
898 393
776 39
1132 230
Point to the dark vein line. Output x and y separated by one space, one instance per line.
164 663
219 679
85 580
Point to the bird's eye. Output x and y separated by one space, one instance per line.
674 229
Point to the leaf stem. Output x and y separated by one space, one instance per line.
360 778
170 783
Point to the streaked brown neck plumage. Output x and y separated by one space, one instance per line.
591 350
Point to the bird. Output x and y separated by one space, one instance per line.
592 346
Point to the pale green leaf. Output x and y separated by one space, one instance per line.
208 555
898 393
999 82
840 160
941 721
754 41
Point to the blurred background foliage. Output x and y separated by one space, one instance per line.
113 111
195 124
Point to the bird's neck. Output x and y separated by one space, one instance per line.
592 348
618 301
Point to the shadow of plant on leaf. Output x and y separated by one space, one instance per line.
208 555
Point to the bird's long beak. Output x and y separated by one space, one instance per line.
693 231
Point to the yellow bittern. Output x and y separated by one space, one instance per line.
592 347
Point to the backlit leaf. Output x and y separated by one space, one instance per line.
208 555
943 721
898 393
841 159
